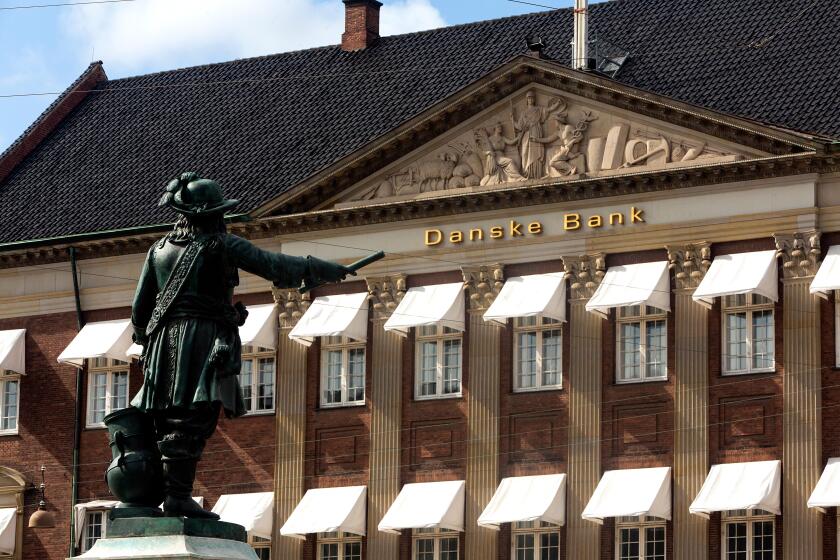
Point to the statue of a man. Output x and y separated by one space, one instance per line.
184 317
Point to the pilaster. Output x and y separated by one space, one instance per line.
482 284
802 432
689 264
386 292
584 457
290 406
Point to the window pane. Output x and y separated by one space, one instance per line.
655 543
119 391
329 551
629 311
449 549
424 549
428 330
352 551
246 380
628 544
527 359
763 345
549 546
762 540
93 531
551 363
629 351
736 342
265 386
356 382
736 541
332 391
98 398
428 368
9 398
451 366
526 321
656 349
525 546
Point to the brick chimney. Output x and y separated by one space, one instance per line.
361 24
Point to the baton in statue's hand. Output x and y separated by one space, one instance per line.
351 267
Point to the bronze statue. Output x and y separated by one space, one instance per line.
184 317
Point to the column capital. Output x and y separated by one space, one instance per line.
386 293
689 262
585 274
799 253
483 283
293 305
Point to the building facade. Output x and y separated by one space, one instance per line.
605 327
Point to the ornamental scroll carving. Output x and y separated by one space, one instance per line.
483 284
799 253
292 305
585 274
538 136
386 293
689 263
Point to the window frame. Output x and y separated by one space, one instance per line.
641 523
111 369
441 336
345 345
644 317
103 530
5 378
749 517
255 354
259 544
341 538
541 326
749 308
537 528
437 535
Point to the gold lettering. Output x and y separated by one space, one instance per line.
571 221
514 228
476 234
496 232
616 218
433 237
456 237
535 228
636 215
595 221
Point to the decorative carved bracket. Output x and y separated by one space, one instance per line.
292 305
585 274
799 252
483 284
689 262
386 293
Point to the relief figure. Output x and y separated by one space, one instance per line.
530 125
498 167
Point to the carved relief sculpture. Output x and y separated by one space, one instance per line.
483 284
498 167
386 293
689 263
799 253
585 274
529 126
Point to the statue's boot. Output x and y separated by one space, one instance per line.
179 475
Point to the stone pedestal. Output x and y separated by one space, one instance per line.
172 538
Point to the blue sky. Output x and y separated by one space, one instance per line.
45 49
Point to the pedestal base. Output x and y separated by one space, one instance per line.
172 538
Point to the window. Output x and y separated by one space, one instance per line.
107 388
257 379
748 334
748 535
339 546
534 540
342 371
640 538
434 544
438 370
95 526
642 344
538 349
9 402
261 546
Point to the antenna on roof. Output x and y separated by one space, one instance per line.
580 44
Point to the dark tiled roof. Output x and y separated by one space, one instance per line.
105 165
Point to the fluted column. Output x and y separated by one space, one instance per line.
802 434
482 394
689 264
584 455
386 410
291 422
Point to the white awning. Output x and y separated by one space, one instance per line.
8 530
754 485
440 304
134 351
13 350
828 276
260 328
327 510
631 492
341 315
633 284
254 511
80 514
527 498
427 505
109 339
827 492
529 296
741 273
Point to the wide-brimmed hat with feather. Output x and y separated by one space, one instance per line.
191 195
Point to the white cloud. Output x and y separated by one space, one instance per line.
163 34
